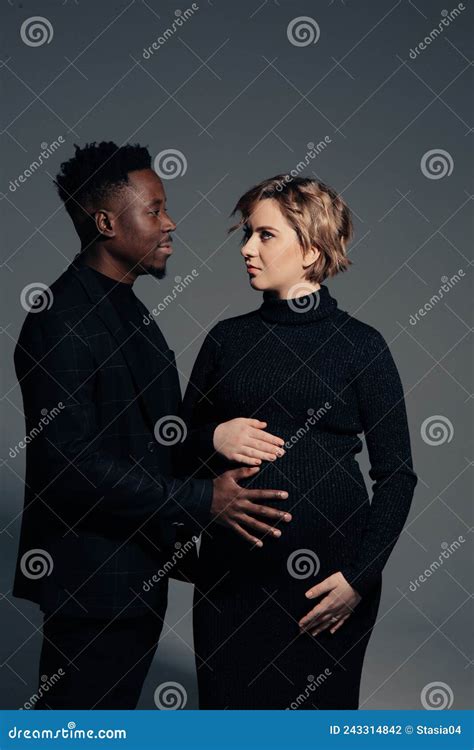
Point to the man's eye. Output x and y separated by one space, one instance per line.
155 213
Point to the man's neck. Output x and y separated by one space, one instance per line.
103 263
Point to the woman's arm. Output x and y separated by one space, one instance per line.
383 416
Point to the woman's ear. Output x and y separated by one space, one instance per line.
104 223
310 257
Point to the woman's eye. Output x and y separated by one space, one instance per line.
245 238
266 235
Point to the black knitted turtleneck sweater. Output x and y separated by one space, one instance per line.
319 378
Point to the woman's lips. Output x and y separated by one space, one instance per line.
252 269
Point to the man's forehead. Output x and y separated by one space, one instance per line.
146 184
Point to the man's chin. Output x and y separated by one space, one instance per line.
156 271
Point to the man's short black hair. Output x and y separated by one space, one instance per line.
96 171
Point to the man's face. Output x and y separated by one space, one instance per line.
141 225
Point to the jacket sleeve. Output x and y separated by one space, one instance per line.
383 415
197 450
73 469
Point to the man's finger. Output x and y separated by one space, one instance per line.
265 510
265 494
248 537
258 525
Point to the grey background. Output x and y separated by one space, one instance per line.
241 103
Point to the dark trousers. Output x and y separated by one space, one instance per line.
96 663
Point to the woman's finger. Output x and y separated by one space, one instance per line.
319 623
267 449
267 437
253 452
248 460
323 624
311 618
338 624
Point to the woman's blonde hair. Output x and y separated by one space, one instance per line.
319 216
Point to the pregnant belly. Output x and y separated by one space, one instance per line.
329 506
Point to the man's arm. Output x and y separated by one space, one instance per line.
55 365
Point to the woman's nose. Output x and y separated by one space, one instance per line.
248 250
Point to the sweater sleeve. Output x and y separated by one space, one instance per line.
383 416
198 412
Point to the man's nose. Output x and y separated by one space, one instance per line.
169 224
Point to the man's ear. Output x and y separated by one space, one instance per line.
104 223
311 257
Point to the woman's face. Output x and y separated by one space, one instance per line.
273 254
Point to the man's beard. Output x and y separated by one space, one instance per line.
157 273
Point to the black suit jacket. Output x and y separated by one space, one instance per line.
102 503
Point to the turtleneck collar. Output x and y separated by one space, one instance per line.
298 310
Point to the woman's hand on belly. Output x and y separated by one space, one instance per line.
245 441
334 609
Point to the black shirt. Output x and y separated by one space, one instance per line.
126 303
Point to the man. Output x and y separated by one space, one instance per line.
102 504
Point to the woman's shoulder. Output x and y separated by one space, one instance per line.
357 329
229 327
364 340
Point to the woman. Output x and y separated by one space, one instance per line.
286 624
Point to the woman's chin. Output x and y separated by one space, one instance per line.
255 284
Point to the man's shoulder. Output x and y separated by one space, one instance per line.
57 307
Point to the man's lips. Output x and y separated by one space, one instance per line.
166 247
